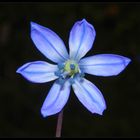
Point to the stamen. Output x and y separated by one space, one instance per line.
57 73
60 65
65 74
61 81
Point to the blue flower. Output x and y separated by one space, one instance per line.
70 69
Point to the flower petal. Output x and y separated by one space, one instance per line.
90 96
81 39
104 64
38 71
49 43
56 99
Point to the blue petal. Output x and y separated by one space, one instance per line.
49 43
38 71
104 64
81 39
56 99
90 96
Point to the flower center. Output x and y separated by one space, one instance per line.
71 67
68 71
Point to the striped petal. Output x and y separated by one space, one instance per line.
56 99
81 39
38 71
48 43
104 64
90 96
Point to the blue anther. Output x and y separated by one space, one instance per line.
57 73
61 81
72 66
60 65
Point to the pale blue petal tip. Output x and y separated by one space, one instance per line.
32 23
84 20
127 61
100 112
18 70
43 114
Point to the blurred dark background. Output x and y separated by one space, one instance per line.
117 28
